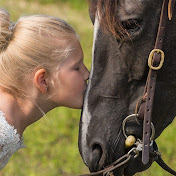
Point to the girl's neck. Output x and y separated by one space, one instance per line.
19 113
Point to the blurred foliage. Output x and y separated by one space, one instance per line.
78 4
52 142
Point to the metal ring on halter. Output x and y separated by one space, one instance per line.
134 116
134 149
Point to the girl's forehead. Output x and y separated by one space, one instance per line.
75 54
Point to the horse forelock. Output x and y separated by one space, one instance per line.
86 116
109 22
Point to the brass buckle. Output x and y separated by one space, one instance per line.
151 57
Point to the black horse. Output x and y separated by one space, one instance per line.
124 34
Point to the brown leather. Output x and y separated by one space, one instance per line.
152 76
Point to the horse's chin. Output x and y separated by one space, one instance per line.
133 167
132 170
119 173
136 166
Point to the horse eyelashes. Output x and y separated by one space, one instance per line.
131 25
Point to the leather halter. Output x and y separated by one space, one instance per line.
156 59
155 62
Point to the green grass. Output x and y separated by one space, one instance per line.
51 143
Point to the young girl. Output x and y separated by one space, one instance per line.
41 67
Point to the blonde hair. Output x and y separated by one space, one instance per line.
28 45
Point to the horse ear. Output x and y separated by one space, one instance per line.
92 9
92 16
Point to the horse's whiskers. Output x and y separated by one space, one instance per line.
117 139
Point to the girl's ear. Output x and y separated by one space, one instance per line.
40 80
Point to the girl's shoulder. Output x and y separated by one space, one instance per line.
10 141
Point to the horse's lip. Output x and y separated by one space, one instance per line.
122 173
142 167
125 170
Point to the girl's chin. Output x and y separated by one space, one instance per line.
76 106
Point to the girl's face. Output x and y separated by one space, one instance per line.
71 81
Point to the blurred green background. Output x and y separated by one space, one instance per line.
52 142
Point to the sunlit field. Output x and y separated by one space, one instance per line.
52 142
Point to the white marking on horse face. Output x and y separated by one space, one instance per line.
86 116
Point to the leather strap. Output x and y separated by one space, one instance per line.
161 163
119 164
151 83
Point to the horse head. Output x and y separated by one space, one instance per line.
124 34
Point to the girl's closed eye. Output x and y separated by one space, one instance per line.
77 68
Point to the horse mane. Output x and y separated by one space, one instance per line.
106 10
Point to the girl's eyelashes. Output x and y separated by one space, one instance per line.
77 68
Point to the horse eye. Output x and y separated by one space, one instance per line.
131 25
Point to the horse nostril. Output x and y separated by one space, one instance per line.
95 158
